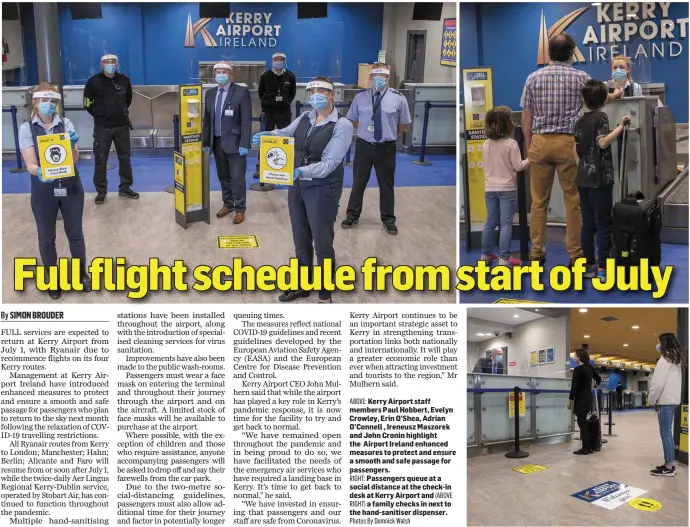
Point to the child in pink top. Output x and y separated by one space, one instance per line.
502 161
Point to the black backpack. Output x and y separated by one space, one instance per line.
636 223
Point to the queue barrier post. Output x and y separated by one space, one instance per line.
422 148
15 130
517 454
262 187
170 189
610 422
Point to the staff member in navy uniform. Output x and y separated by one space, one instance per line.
380 114
49 196
107 97
227 131
322 139
277 88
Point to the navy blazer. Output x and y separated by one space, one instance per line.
236 131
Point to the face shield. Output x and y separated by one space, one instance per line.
379 78
279 60
319 92
110 64
46 102
222 73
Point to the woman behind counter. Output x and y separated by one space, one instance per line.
621 83
49 196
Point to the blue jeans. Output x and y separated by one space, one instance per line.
500 210
596 205
665 413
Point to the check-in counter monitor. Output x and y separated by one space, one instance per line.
490 424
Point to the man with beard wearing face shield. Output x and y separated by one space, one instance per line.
107 97
380 114
277 89
322 139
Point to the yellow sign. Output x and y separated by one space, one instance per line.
644 504
479 99
683 446
55 152
190 144
238 241
179 183
533 358
511 405
512 301
277 156
530 469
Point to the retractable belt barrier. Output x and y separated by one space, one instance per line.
15 130
422 149
517 453
611 402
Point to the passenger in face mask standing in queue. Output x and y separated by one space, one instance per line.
50 196
107 97
227 132
380 114
322 139
277 88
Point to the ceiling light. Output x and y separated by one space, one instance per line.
636 327
586 336
480 334
583 310
625 345
536 311
516 316
596 3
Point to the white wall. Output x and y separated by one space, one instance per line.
539 334
397 20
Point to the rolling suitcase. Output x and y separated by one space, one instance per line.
594 424
636 222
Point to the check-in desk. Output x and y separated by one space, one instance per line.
489 427
441 135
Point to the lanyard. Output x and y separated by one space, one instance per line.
376 106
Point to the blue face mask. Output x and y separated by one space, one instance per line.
279 65
499 358
109 69
658 348
222 78
318 101
47 108
620 74
379 83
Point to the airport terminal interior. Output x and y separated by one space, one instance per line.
656 160
171 44
538 480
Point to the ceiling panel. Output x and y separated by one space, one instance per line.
503 315
607 339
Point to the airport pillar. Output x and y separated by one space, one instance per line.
48 44
680 431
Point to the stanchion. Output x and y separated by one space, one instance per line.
516 404
15 130
170 189
422 148
262 187
610 422
601 400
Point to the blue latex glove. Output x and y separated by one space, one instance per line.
73 138
207 149
297 174
39 175
256 141
244 151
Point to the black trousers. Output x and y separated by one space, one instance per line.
45 206
103 138
381 156
619 400
313 210
231 169
276 121
583 425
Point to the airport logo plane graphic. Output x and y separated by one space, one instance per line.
198 27
559 27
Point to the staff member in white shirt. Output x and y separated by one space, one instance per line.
665 395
